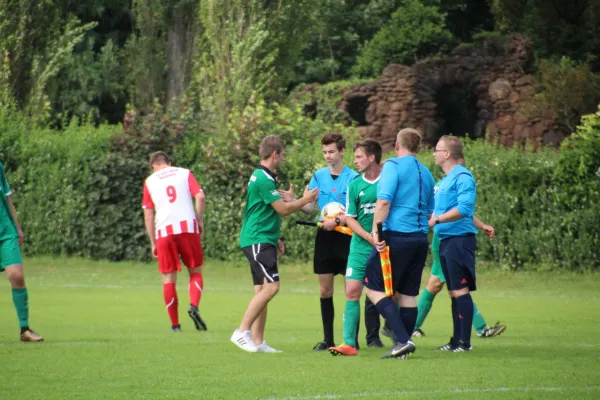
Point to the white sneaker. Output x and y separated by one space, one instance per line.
243 340
265 348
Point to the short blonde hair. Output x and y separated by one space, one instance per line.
269 145
454 147
410 139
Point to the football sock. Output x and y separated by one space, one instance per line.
424 305
465 314
327 315
195 288
172 302
455 322
409 318
21 301
389 310
478 322
351 321
371 321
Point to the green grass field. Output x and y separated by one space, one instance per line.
108 337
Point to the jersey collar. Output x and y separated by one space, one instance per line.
268 172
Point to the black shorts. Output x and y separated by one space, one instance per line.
331 252
408 253
457 256
263 262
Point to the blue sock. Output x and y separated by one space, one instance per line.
465 314
455 322
389 310
409 317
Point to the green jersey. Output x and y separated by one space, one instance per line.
435 241
261 223
8 229
360 204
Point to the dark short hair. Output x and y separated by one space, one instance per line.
332 137
410 139
159 157
370 147
454 145
269 145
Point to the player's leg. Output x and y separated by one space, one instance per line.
11 262
372 324
426 298
327 309
387 307
190 248
353 290
434 286
168 266
445 260
263 264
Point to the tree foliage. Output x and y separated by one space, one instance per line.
415 31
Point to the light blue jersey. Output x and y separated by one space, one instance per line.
456 190
331 189
408 186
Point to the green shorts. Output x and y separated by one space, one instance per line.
436 267
10 253
357 266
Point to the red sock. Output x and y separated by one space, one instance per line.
172 302
195 288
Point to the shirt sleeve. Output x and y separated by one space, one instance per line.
313 182
388 181
465 195
193 184
351 206
268 192
431 202
147 199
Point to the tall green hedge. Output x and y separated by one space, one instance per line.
78 191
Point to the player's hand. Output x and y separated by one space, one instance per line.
280 248
154 252
328 224
21 236
311 194
288 195
201 228
489 231
379 245
432 221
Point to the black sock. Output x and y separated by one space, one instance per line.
389 310
409 317
24 329
465 313
371 321
455 322
327 314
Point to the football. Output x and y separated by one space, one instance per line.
332 210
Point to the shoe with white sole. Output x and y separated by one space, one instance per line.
265 348
243 340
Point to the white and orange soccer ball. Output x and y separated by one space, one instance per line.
332 210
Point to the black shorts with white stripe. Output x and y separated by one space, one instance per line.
263 262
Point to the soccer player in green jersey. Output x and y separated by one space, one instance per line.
360 206
260 241
11 238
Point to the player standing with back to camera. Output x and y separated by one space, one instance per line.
174 227
453 224
11 261
404 204
260 241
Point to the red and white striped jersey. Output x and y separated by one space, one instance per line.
169 191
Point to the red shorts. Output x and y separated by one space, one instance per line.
186 245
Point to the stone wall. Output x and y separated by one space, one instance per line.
496 75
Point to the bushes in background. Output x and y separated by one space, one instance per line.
78 192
